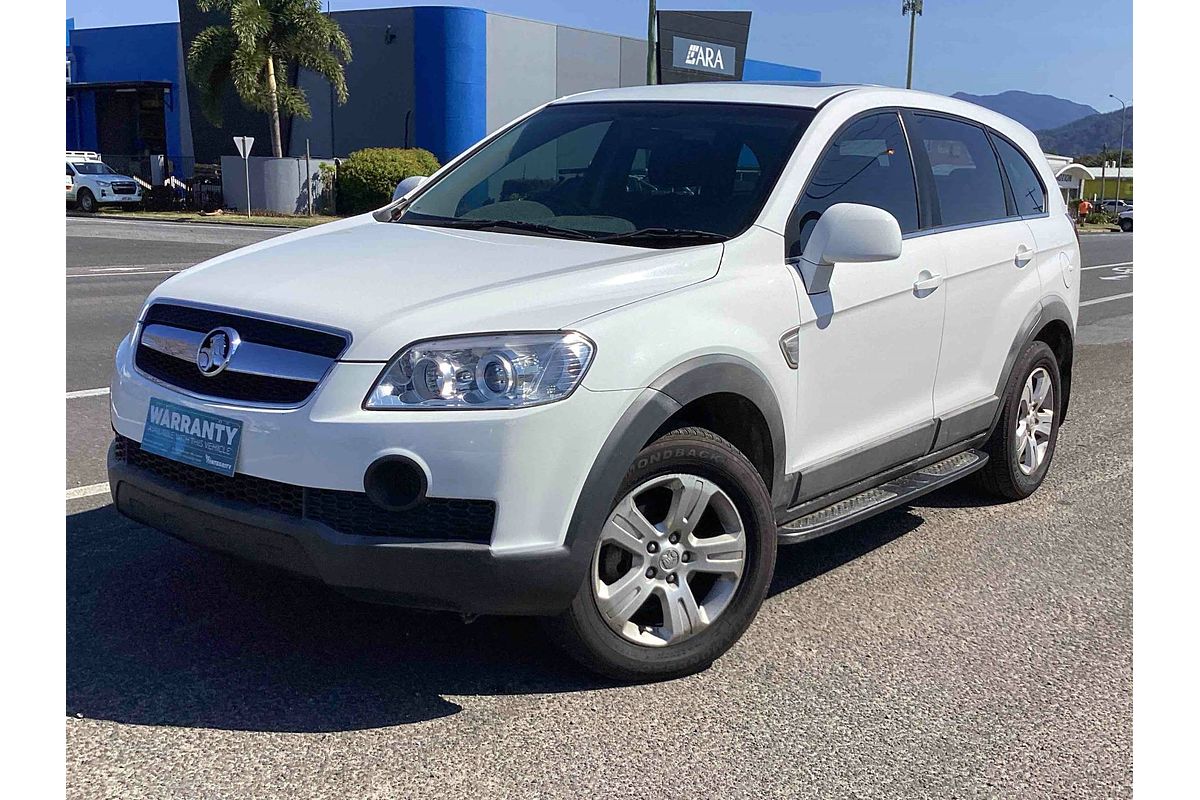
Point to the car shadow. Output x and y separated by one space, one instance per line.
799 563
162 633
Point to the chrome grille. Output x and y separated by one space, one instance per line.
275 363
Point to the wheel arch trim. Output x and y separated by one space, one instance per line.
726 374
1051 309
654 406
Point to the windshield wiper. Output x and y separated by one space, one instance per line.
504 225
663 237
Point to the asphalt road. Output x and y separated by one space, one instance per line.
948 649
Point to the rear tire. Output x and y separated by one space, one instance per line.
681 567
1127 225
86 201
1021 447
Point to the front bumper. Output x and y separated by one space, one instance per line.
531 463
456 576
109 198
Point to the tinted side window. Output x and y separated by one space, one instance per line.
1027 189
868 163
966 176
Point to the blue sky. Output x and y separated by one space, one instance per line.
1081 52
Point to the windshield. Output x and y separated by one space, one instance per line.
645 173
93 168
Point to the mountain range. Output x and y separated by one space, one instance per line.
1038 112
1089 135
1062 127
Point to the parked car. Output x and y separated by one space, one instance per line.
91 183
1115 206
608 401
1125 220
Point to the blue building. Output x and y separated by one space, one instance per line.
126 92
426 76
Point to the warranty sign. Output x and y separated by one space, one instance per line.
192 437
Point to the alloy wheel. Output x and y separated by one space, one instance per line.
1035 421
669 560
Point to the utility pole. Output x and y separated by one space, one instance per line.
651 46
1103 173
912 8
1120 157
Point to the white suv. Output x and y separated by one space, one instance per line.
91 183
599 366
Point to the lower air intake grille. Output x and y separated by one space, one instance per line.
353 513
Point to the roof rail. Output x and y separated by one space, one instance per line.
86 155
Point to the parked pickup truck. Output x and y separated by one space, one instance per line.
91 183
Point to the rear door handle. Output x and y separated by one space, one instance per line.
1024 256
927 281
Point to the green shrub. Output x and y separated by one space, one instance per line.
367 177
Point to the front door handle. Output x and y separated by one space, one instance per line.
926 282
1024 256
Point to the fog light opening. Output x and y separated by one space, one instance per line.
395 483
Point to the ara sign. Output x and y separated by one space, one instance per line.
701 45
703 56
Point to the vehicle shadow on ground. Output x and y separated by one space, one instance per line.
161 633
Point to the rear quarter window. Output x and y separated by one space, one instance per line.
1028 192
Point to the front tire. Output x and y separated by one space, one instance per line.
86 201
681 566
1021 447
1127 225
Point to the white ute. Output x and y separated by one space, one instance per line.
601 365
91 183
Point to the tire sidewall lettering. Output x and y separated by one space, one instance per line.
675 453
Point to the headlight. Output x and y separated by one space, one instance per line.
497 371
104 183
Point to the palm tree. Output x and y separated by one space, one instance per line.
263 38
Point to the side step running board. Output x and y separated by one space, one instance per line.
895 492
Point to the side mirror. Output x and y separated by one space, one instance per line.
847 233
407 185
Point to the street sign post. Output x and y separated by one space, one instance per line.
244 143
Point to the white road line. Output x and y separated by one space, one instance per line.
87 393
127 274
131 268
87 491
1106 266
1105 299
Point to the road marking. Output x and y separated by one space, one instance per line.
130 267
1106 266
87 393
1105 299
1120 274
87 491
126 274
